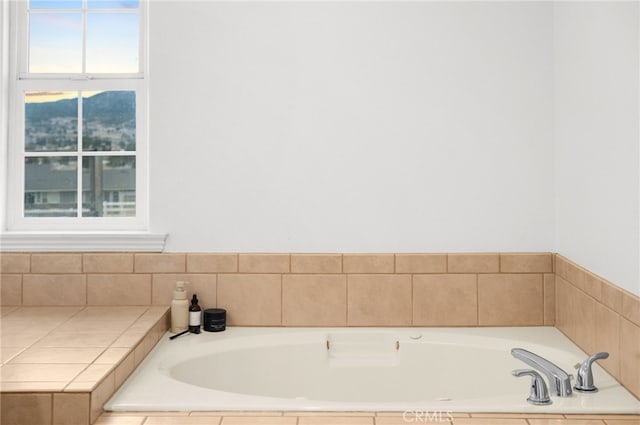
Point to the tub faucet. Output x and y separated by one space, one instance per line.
559 380
584 381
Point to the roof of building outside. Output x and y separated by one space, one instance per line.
45 178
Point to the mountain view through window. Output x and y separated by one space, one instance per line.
108 129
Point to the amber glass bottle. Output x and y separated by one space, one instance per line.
195 315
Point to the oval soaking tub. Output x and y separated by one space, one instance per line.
358 369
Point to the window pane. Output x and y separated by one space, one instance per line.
51 121
112 42
50 187
109 121
55 4
112 4
55 42
109 186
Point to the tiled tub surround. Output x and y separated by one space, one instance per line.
61 364
599 316
301 289
488 289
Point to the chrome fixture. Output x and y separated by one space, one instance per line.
559 380
584 381
539 393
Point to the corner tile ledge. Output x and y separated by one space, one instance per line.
81 241
99 379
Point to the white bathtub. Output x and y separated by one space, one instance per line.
358 369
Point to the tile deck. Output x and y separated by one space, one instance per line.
64 346
58 365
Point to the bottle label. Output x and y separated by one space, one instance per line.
194 318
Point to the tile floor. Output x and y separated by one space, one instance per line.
341 418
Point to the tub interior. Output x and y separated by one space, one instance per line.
311 371
457 369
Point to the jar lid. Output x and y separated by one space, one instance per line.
215 313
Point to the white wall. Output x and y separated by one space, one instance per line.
349 126
596 138
4 105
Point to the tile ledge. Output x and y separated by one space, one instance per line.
82 241
79 386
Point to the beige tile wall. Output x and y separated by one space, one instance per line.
300 289
599 316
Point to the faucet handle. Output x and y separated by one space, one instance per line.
584 381
539 392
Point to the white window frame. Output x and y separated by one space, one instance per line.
69 233
20 81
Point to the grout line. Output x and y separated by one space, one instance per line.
281 302
52 412
477 300
544 300
86 289
347 300
153 276
413 313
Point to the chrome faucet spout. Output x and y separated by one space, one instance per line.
559 380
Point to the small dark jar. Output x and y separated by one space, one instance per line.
215 319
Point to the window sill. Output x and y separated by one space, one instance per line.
81 241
